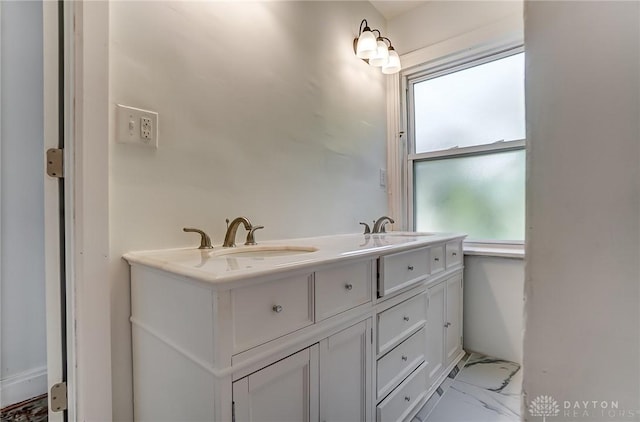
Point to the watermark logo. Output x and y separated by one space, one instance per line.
544 406
547 406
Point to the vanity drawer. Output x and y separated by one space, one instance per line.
397 323
342 288
404 399
454 253
437 259
269 310
402 269
399 362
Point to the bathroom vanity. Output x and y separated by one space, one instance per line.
336 328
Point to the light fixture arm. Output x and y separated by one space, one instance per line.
366 25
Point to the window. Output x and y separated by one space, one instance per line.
466 157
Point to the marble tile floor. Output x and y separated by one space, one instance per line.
479 389
32 410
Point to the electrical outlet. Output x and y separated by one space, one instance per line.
145 129
136 126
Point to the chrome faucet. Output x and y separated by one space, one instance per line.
379 225
232 228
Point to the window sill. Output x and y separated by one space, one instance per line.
501 250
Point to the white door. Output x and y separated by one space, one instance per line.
54 218
435 332
283 392
345 387
453 323
31 227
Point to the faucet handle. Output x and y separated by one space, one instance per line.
205 240
367 229
250 238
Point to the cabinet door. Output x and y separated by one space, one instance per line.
345 375
453 323
435 332
282 392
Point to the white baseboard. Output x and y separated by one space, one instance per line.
23 386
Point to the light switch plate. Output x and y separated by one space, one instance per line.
136 126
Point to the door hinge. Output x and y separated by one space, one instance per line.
55 163
371 335
59 397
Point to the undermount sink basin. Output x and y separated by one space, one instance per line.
407 234
264 251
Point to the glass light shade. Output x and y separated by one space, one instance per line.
382 55
367 45
393 65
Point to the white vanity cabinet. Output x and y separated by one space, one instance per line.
453 322
353 336
283 391
346 380
335 371
444 326
435 332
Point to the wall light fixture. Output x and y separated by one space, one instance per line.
375 50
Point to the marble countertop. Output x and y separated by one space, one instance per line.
221 265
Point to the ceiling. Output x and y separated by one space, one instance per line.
392 8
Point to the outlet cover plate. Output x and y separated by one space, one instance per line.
136 126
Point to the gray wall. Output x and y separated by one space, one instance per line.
22 291
582 286
493 306
264 112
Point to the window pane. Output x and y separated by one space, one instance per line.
475 106
482 195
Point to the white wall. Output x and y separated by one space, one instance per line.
437 21
582 287
23 346
437 31
493 306
264 112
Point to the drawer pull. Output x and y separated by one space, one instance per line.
454 253
447 325
406 318
277 309
436 259
404 358
410 267
348 286
407 398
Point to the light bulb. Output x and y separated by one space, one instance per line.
393 66
382 55
367 45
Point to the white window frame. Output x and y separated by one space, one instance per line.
424 73
504 37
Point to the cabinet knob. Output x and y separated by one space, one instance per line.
447 325
348 286
407 398
406 318
404 358
454 253
436 259
277 309
410 267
